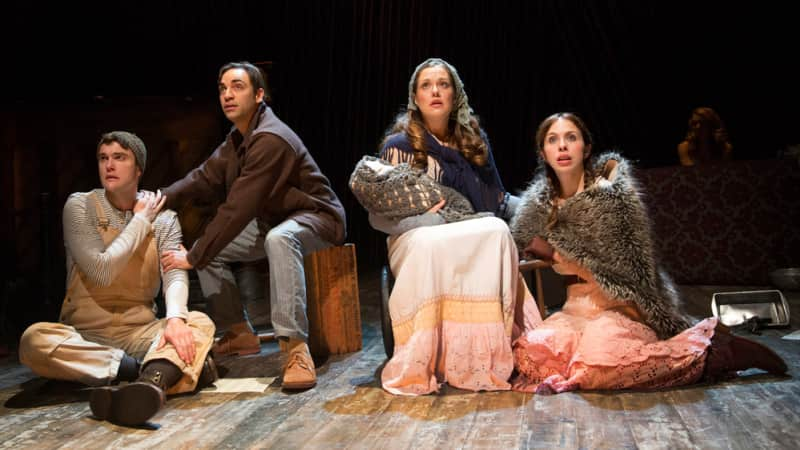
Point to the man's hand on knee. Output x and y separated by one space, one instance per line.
181 337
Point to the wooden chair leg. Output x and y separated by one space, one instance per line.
536 265
540 293
387 282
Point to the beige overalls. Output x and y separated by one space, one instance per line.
98 324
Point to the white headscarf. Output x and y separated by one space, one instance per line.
461 109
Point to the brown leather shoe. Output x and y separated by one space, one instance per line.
130 405
299 372
729 353
135 403
237 343
208 375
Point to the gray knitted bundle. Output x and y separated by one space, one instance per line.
400 191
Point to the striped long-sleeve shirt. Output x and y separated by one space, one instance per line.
101 264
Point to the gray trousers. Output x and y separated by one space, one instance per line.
284 246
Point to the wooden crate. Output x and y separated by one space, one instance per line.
334 312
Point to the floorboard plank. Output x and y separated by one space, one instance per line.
349 409
654 422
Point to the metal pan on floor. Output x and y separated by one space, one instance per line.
735 308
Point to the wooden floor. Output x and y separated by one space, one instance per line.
348 408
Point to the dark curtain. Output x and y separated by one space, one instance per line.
339 74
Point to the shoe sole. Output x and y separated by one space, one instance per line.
298 386
133 404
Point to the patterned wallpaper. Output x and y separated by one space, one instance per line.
726 223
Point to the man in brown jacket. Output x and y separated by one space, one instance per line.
277 205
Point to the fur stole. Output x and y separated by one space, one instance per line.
606 229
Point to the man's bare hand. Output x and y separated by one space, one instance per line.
175 259
149 204
180 336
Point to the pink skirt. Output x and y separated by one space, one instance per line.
607 351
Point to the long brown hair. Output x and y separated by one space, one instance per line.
466 139
552 180
719 144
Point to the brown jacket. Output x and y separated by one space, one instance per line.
266 174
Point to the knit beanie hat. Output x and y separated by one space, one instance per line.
128 141
461 109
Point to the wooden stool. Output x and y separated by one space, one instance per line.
536 265
334 312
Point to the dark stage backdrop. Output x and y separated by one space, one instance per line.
339 73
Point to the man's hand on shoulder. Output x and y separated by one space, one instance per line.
149 204
175 259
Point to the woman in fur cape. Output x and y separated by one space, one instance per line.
620 327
